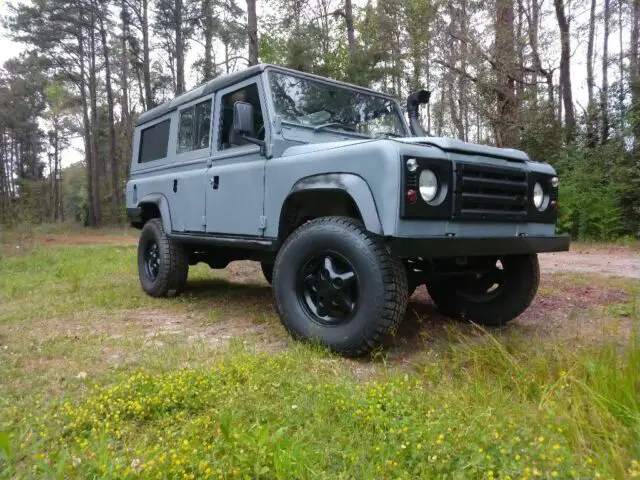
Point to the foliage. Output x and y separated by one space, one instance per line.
529 414
93 66
594 183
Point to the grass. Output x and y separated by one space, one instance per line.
99 381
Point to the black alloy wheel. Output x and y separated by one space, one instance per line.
152 260
328 288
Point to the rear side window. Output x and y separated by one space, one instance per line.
154 141
195 123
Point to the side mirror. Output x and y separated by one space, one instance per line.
243 118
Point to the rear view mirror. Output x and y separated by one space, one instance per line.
243 118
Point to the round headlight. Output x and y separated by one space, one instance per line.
428 184
538 196
412 164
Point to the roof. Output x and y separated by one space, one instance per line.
224 81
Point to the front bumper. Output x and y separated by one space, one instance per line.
432 247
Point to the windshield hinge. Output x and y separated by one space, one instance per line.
277 124
263 222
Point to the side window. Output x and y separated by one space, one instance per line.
185 133
193 133
154 141
227 138
203 124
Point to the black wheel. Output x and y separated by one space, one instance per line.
163 265
337 283
498 295
267 271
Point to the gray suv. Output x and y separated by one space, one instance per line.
347 206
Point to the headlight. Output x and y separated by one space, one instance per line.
428 185
538 196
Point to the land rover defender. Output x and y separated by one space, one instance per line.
348 205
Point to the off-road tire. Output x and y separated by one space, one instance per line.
267 271
522 278
382 285
173 262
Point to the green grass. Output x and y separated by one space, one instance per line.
91 387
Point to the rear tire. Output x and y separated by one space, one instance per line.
336 282
491 301
163 265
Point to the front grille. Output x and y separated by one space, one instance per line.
485 192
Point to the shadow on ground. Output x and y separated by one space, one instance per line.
561 309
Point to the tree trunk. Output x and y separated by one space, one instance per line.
348 19
86 130
604 91
505 127
565 70
591 106
207 32
146 55
93 97
533 15
621 109
113 153
127 126
179 39
634 67
252 32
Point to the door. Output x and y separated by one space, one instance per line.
188 179
235 190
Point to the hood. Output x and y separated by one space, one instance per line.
314 147
458 146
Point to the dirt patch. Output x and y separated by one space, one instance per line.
560 310
60 240
613 262
158 324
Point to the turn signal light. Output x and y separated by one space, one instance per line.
412 196
554 205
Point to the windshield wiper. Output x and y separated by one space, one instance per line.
387 134
334 124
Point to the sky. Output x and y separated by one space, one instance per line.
9 49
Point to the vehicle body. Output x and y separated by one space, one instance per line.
296 171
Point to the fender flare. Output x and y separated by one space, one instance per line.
350 183
162 203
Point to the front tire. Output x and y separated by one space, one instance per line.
163 265
336 282
494 298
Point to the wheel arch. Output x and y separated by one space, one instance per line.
341 194
155 205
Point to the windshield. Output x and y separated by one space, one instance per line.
315 104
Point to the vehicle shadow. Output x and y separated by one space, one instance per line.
231 297
423 327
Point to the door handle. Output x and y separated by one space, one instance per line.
175 185
214 181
